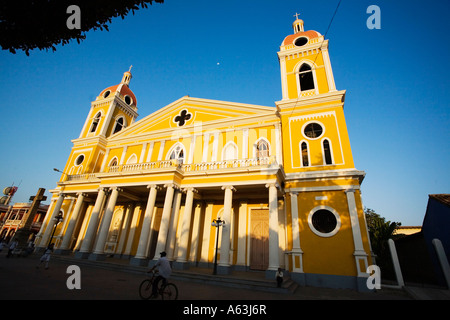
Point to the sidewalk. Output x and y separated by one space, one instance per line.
116 280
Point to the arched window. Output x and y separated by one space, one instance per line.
262 149
132 159
230 151
177 154
113 162
306 77
95 122
119 125
305 157
327 152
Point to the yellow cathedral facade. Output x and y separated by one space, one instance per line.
281 178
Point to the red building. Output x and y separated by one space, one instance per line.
13 217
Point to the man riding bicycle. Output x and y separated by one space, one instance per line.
164 272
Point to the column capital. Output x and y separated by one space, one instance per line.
62 194
349 190
172 185
228 187
154 186
116 188
82 194
272 184
190 189
294 193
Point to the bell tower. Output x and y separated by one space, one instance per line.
305 64
113 110
311 108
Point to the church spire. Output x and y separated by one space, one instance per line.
298 24
127 77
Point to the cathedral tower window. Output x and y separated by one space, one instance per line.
95 122
306 77
327 152
313 130
305 156
119 125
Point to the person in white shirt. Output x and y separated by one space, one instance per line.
279 277
164 270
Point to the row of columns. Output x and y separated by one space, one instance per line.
167 232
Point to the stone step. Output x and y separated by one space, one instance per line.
244 280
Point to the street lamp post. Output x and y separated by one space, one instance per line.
217 223
57 219
57 170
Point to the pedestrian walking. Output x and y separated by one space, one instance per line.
11 248
46 256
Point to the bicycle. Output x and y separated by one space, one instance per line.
167 290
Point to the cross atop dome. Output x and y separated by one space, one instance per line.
127 76
298 24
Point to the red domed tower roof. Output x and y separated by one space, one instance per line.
299 32
311 34
122 88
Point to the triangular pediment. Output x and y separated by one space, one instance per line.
187 112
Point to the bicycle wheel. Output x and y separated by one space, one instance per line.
145 289
169 292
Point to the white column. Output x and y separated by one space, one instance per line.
242 233
165 219
297 253
104 230
195 233
173 224
440 251
73 221
278 146
274 258
145 230
206 232
93 222
225 246
105 158
245 143
133 227
396 263
125 227
359 253
328 70
284 86
185 225
50 224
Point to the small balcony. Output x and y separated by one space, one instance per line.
158 166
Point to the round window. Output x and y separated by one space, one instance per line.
324 221
106 94
313 130
301 41
79 160
128 100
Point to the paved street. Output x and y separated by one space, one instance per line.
20 279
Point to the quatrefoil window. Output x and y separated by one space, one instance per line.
182 117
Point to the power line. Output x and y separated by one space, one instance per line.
319 49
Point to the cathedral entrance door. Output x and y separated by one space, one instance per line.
259 243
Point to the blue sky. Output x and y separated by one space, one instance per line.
396 107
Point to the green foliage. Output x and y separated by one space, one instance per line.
27 25
380 231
